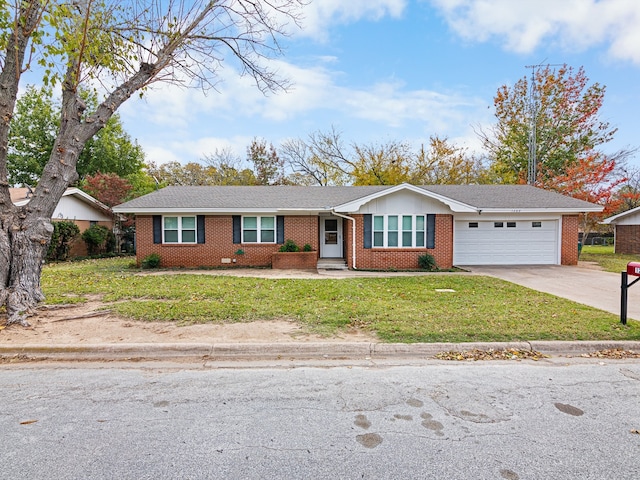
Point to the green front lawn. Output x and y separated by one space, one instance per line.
397 309
604 256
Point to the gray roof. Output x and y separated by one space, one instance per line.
236 198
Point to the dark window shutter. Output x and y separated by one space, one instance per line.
367 230
200 223
237 230
157 229
431 231
279 229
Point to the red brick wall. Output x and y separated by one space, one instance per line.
294 260
219 243
569 248
399 258
628 239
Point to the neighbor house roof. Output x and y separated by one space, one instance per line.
614 219
22 196
460 198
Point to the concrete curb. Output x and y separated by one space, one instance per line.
287 351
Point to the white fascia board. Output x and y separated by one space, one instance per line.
79 194
617 217
210 211
355 205
595 208
85 197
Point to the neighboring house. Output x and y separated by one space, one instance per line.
626 231
75 206
370 227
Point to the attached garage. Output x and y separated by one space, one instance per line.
506 242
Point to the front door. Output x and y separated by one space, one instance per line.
330 237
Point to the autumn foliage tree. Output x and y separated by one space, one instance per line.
591 178
125 48
107 188
565 109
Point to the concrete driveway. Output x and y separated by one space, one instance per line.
581 284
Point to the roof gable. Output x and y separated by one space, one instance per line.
624 217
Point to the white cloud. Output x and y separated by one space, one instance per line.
182 121
574 25
320 15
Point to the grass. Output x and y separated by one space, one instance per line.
396 309
604 256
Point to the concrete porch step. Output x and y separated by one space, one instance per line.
332 264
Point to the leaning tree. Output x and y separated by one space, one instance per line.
118 48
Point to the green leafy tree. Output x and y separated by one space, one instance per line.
33 132
125 47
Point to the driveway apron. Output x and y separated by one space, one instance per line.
583 285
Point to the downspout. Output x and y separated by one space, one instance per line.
353 235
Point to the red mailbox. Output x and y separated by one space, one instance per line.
633 268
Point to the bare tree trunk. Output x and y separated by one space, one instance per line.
28 248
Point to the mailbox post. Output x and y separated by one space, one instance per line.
633 269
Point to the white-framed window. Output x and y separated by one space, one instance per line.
179 229
399 231
258 229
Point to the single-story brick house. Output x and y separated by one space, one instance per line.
370 227
626 231
75 206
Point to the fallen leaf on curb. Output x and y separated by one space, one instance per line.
612 353
491 354
28 422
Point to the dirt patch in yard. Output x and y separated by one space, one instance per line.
87 324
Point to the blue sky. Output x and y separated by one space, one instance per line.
380 70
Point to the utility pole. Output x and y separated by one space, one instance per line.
532 163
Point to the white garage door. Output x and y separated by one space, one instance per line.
506 242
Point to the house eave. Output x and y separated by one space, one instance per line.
221 211
541 210
614 219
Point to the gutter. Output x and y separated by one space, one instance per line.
353 235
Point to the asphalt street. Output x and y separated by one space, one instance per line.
552 419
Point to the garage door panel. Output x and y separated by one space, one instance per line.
523 244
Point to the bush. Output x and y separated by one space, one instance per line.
96 239
307 248
151 261
64 233
289 246
427 262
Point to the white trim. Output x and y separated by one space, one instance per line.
400 231
180 230
353 236
614 218
259 229
339 232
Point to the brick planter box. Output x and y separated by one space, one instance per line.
294 260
